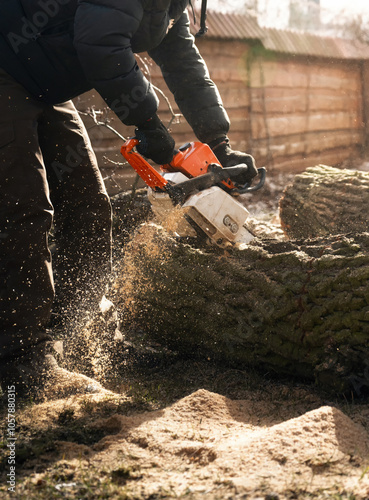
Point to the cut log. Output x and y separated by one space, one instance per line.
296 307
325 200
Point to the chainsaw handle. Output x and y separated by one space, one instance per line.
147 172
130 144
247 188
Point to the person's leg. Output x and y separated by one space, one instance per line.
82 211
26 284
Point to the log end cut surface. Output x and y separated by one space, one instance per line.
325 200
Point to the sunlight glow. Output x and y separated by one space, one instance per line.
330 8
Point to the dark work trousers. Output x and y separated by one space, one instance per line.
48 178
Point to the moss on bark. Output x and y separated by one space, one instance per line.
296 307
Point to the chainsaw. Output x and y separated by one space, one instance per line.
196 181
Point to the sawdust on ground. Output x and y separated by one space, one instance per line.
285 444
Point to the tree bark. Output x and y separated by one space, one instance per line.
296 307
325 200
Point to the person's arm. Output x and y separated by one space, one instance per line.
102 37
196 95
187 77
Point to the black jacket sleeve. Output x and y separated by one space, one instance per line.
187 77
103 31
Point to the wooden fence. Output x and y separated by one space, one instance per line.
289 112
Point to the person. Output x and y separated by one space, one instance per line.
50 52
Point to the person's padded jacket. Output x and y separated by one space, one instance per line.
58 49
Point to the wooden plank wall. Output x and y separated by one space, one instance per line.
305 112
289 112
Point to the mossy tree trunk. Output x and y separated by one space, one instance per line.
324 201
295 307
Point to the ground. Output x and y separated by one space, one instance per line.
174 427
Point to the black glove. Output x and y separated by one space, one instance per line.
155 142
229 158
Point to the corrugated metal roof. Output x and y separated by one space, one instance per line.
307 44
244 27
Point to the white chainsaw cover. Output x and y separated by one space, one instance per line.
213 210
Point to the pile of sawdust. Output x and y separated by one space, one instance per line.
208 446
206 440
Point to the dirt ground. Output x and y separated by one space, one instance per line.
193 430
173 427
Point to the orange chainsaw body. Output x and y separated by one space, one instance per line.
193 159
